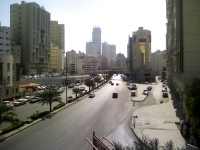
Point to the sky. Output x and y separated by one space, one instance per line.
116 18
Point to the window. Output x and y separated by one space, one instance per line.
17 68
8 66
16 90
1 72
13 91
6 32
8 79
7 92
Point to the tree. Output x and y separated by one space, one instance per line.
7 114
50 96
97 80
76 91
145 144
89 83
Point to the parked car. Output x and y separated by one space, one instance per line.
22 101
34 100
8 103
165 94
71 86
145 92
91 95
132 87
115 95
112 83
27 97
117 83
17 103
164 90
133 93
82 88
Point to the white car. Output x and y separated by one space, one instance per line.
22 101
17 103
8 103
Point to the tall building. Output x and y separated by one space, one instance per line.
183 52
9 65
139 56
30 27
158 61
96 38
57 34
91 48
71 61
108 50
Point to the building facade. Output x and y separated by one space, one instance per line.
96 38
182 38
108 50
91 48
30 28
139 56
158 61
9 66
57 33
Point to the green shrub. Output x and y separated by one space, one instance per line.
59 105
38 115
14 126
71 100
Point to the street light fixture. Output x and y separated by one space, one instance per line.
134 119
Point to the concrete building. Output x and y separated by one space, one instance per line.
139 56
121 62
57 33
108 50
183 36
91 48
55 61
9 66
96 38
71 61
30 28
158 61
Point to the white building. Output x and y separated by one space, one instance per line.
108 50
9 66
91 48
158 61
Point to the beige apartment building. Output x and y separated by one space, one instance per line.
55 61
30 28
158 61
139 56
183 48
57 33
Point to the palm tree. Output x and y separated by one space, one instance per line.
76 91
7 114
145 144
97 80
50 96
89 83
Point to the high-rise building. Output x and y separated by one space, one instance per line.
57 33
183 52
158 61
30 27
96 38
91 48
139 55
108 50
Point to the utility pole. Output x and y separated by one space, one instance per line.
66 83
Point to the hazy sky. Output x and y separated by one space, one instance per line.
116 18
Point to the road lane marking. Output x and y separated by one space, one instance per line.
46 129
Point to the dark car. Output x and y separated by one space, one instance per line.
115 95
149 88
165 94
117 83
112 83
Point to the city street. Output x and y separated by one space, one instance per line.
68 129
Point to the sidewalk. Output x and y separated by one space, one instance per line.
157 121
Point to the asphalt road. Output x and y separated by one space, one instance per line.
68 129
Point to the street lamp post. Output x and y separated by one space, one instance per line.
66 76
